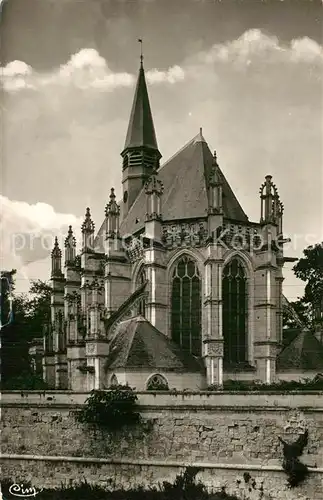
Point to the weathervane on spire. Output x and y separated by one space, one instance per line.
141 56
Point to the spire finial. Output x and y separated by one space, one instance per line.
141 56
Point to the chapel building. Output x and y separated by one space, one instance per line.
177 289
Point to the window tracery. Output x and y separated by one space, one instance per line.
157 382
186 306
141 279
235 312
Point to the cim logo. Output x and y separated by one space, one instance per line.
19 490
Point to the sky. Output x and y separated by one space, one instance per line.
248 72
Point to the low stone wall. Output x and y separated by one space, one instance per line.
228 435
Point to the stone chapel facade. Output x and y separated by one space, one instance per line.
177 287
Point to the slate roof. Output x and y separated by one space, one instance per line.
185 190
289 334
137 344
141 131
305 352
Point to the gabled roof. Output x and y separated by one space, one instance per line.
305 352
141 131
185 178
137 344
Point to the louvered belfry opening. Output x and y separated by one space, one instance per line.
141 158
235 313
186 306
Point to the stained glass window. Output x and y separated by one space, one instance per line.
186 306
235 312
141 279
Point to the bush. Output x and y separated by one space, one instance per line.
183 488
112 409
25 382
315 384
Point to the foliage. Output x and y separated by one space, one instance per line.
39 304
29 315
310 269
295 470
112 410
14 341
183 488
315 384
26 381
303 310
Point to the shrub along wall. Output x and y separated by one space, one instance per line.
233 437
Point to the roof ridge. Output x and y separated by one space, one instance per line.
179 151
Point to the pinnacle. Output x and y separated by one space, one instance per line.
141 130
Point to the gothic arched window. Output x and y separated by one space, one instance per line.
141 279
235 312
186 306
157 383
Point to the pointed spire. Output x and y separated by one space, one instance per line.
154 189
112 207
141 54
70 240
88 224
88 231
56 252
70 244
215 189
141 130
270 202
214 178
56 259
112 213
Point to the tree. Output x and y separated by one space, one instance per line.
38 306
310 269
303 310
29 316
7 285
14 354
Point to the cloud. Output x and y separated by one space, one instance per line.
254 45
307 50
173 75
85 70
27 237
